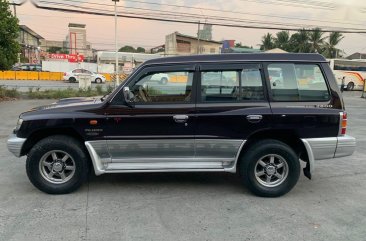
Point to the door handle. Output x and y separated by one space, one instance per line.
254 118
180 118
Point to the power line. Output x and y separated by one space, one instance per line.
176 20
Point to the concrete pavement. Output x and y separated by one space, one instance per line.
187 206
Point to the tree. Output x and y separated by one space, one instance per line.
127 48
282 40
240 45
54 50
299 42
330 50
9 31
140 50
267 42
316 40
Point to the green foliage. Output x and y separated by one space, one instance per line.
131 49
304 41
9 31
8 93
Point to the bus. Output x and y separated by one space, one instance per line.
351 72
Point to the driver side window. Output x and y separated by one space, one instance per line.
163 87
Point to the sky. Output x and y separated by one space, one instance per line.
53 25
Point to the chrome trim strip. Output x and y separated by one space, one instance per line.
346 146
99 164
15 145
192 164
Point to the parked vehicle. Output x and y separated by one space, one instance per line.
28 67
72 76
227 117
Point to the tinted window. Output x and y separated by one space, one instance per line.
231 86
86 71
297 82
77 71
163 87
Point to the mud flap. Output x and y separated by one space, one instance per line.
306 170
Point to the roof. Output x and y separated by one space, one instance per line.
30 31
126 56
241 50
240 58
76 25
202 40
276 50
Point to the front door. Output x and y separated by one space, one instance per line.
231 106
157 131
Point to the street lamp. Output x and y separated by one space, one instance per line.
115 39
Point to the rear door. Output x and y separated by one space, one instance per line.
231 106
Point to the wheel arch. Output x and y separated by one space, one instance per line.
41 134
288 137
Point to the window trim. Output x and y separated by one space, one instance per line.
269 88
238 67
164 68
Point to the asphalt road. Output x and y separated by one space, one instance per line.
191 206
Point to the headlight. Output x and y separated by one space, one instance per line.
19 124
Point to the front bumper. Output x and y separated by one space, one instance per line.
15 145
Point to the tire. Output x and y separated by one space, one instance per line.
41 162
350 86
164 81
255 174
98 80
72 79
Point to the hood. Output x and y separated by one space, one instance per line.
70 102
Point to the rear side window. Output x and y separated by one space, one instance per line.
231 85
297 82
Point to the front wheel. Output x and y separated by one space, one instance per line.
269 168
98 80
57 165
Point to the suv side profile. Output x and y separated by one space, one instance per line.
227 116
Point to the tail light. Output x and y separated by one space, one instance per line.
64 74
342 123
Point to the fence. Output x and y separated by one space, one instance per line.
33 75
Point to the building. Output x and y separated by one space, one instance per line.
228 46
30 43
125 59
47 44
206 32
181 44
76 42
357 55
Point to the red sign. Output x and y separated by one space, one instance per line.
73 58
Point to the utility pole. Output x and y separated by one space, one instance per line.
198 38
116 41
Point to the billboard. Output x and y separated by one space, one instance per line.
73 58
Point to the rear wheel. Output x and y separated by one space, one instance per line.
269 168
57 165
72 79
98 80
350 86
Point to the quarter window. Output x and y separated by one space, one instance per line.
163 87
297 82
231 86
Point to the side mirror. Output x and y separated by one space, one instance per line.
128 95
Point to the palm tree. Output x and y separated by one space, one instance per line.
267 42
282 40
316 40
299 42
330 50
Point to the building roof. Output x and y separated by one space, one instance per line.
240 58
76 25
126 56
276 50
357 55
30 31
241 50
195 38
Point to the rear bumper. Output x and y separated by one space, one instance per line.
15 145
329 147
